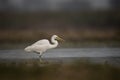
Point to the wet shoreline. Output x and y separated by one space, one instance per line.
113 61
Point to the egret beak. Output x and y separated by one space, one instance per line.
60 39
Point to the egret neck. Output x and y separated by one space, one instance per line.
54 42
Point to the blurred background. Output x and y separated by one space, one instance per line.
90 28
82 23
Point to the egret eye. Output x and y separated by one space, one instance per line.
55 38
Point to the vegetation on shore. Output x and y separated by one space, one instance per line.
73 38
58 71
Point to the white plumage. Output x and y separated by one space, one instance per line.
43 45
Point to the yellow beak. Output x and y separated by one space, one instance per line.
60 39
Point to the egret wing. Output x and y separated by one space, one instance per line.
39 48
42 42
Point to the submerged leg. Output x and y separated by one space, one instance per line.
42 61
40 55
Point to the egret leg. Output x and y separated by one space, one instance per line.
41 59
40 56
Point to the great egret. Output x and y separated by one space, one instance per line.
42 45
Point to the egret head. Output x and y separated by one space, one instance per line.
57 38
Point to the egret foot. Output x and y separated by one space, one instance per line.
40 56
42 61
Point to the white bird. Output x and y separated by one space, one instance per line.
42 45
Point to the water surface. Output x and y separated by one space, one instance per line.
109 55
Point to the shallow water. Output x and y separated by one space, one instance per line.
109 55
65 52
